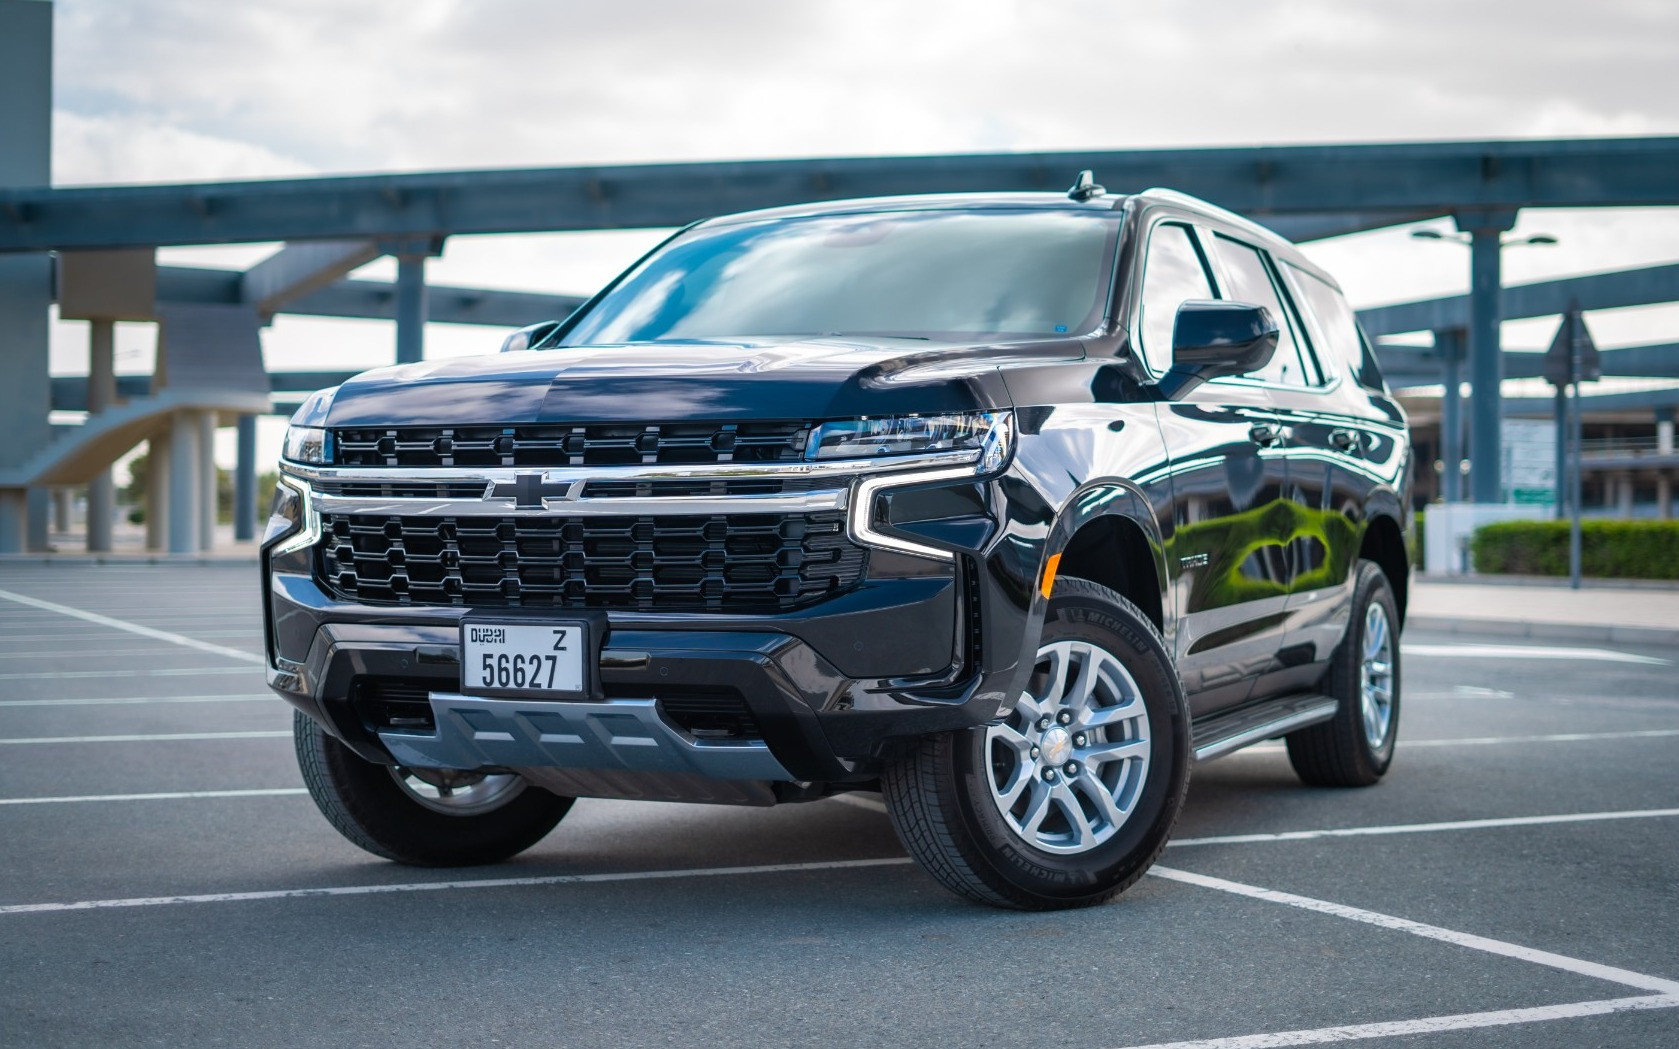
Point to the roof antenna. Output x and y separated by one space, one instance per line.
1086 186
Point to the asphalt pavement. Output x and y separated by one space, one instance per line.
164 880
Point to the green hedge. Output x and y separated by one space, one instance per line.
1608 549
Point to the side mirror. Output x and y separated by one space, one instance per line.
1211 340
528 337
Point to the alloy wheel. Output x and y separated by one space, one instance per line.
1067 765
1375 677
458 792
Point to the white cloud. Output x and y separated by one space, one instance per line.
136 148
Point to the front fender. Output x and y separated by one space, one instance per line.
1022 559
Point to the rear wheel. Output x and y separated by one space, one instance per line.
1355 747
424 817
1071 796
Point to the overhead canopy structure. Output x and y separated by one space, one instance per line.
331 226
1329 188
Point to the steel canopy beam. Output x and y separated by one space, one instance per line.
1403 179
1421 366
1306 227
372 299
1596 291
298 269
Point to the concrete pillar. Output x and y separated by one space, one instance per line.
245 481
61 507
208 502
1449 344
1664 431
14 515
1623 495
1664 495
1486 362
183 483
39 518
158 456
410 308
101 394
25 280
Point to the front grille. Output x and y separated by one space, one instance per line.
600 444
731 563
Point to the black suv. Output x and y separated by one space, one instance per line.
1010 507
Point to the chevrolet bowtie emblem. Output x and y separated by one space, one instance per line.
529 490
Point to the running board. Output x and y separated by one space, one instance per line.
1223 733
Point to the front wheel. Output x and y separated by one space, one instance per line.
423 817
1069 798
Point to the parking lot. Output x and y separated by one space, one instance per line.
165 880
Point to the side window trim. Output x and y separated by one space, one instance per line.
1302 330
1294 322
1208 268
1334 368
1329 371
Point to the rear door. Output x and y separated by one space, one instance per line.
1338 443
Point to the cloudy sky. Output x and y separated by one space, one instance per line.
183 90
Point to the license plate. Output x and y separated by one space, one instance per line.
527 658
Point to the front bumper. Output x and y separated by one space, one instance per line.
822 694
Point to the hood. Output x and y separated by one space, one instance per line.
824 378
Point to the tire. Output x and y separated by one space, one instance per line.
1355 747
426 818
966 804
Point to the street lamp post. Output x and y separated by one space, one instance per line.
1483 231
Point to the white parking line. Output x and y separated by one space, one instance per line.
1604 655
1488 741
1424 828
155 738
132 628
1577 966
99 652
96 635
1429 1024
437 886
872 804
1665 996
1558 737
48 675
173 795
243 697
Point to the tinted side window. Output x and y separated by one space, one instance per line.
1335 328
1173 273
1250 281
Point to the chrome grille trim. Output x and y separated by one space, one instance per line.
834 499
837 469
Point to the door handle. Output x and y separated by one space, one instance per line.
1267 435
1346 440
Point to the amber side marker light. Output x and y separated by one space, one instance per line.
1051 566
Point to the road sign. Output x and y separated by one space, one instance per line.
1530 461
1560 359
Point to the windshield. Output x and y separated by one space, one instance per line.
927 274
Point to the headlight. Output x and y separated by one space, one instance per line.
308 444
988 435
307 438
